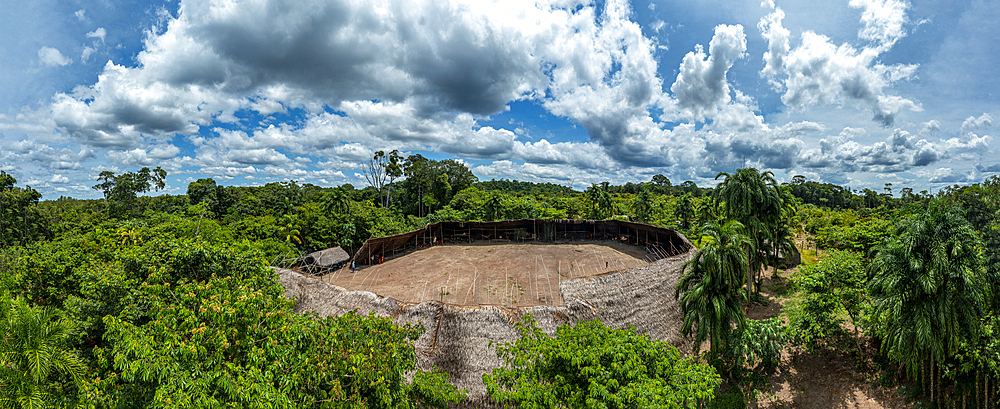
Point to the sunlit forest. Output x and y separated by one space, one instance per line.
141 299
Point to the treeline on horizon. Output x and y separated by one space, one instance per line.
308 217
143 300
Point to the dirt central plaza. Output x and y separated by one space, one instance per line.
483 273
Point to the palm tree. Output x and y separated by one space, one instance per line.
335 202
495 206
755 200
781 242
928 289
602 205
33 350
287 229
709 287
685 211
642 205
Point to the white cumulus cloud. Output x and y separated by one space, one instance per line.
777 42
701 85
972 123
99 33
882 21
51 57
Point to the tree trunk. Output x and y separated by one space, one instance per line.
923 377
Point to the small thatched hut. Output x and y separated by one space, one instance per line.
320 262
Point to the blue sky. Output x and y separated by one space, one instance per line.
855 92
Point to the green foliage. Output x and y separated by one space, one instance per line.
495 206
230 341
927 288
96 267
755 200
518 187
432 184
685 211
824 194
38 369
431 389
861 237
21 221
812 323
247 205
174 321
381 171
121 191
709 288
592 366
642 206
731 398
216 197
830 289
276 198
758 346
602 205
46 273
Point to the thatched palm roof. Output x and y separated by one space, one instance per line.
458 339
327 259
666 241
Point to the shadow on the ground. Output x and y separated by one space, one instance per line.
823 379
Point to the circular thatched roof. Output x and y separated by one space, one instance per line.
457 339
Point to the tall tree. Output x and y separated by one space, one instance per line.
755 200
216 197
642 205
335 202
927 288
121 191
601 204
20 220
381 171
431 184
709 286
685 211
495 207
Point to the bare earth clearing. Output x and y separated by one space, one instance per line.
481 273
817 380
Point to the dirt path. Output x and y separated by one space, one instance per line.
816 380
478 273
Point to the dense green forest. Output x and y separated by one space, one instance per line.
144 300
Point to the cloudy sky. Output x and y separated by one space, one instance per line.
853 92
